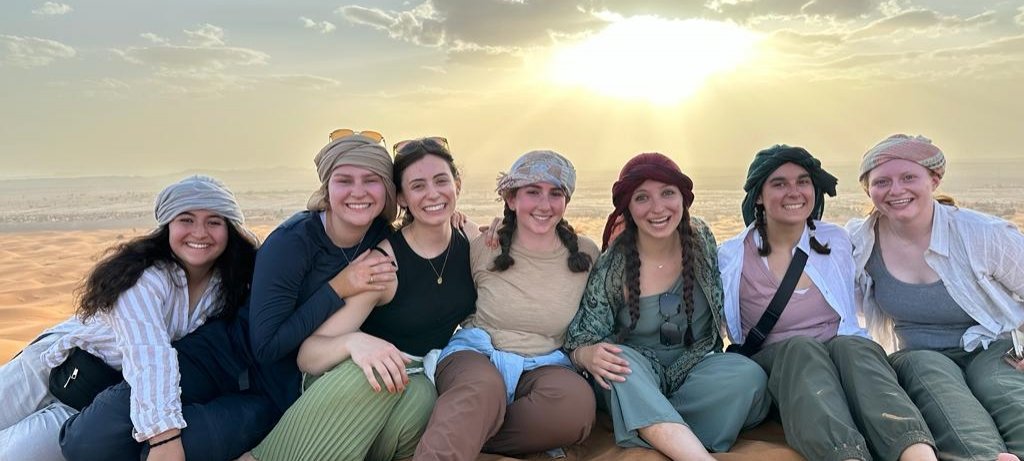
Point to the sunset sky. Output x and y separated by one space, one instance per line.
144 87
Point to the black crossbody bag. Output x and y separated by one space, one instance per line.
757 335
81 377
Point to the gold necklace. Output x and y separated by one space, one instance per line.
448 249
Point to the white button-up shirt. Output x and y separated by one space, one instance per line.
832 274
135 336
978 257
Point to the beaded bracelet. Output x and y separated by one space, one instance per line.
154 445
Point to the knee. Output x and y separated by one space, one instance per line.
471 375
344 384
855 348
911 364
744 377
571 406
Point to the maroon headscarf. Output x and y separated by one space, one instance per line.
638 169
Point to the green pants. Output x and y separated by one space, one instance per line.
339 416
722 395
840 399
973 401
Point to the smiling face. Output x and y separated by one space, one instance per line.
902 190
657 209
538 207
787 196
197 239
429 190
355 195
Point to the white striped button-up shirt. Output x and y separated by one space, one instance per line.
980 260
135 337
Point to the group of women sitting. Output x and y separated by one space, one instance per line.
335 339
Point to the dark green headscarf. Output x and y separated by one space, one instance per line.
766 161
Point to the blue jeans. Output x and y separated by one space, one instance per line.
223 420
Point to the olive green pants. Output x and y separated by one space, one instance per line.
722 395
339 416
840 399
973 401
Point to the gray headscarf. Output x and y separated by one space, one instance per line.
539 166
359 151
198 192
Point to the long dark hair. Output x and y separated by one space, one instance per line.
578 261
412 151
761 225
124 263
628 242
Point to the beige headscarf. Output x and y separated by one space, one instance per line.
539 166
917 149
360 151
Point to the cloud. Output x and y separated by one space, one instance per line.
204 65
495 23
194 58
793 42
206 52
53 9
668 9
866 60
303 81
1003 46
921 20
416 26
28 52
324 27
153 38
838 9
1020 17
207 35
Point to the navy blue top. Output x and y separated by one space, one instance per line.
291 297
423 314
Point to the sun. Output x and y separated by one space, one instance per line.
653 59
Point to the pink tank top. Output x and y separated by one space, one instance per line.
807 314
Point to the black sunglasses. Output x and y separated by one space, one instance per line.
669 305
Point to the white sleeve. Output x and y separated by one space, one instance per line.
150 365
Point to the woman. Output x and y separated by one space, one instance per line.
648 329
830 381
943 285
137 300
345 413
503 383
304 272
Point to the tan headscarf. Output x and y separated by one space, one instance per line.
917 149
359 151
539 166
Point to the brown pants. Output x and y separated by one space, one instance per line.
553 407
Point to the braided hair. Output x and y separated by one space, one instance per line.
762 230
687 242
578 261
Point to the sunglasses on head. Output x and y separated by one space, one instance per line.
669 305
429 143
342 132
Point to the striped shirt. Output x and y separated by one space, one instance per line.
980 260
135 337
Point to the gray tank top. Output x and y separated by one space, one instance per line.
925 315
648 327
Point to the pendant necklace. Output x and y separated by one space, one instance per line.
440 275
